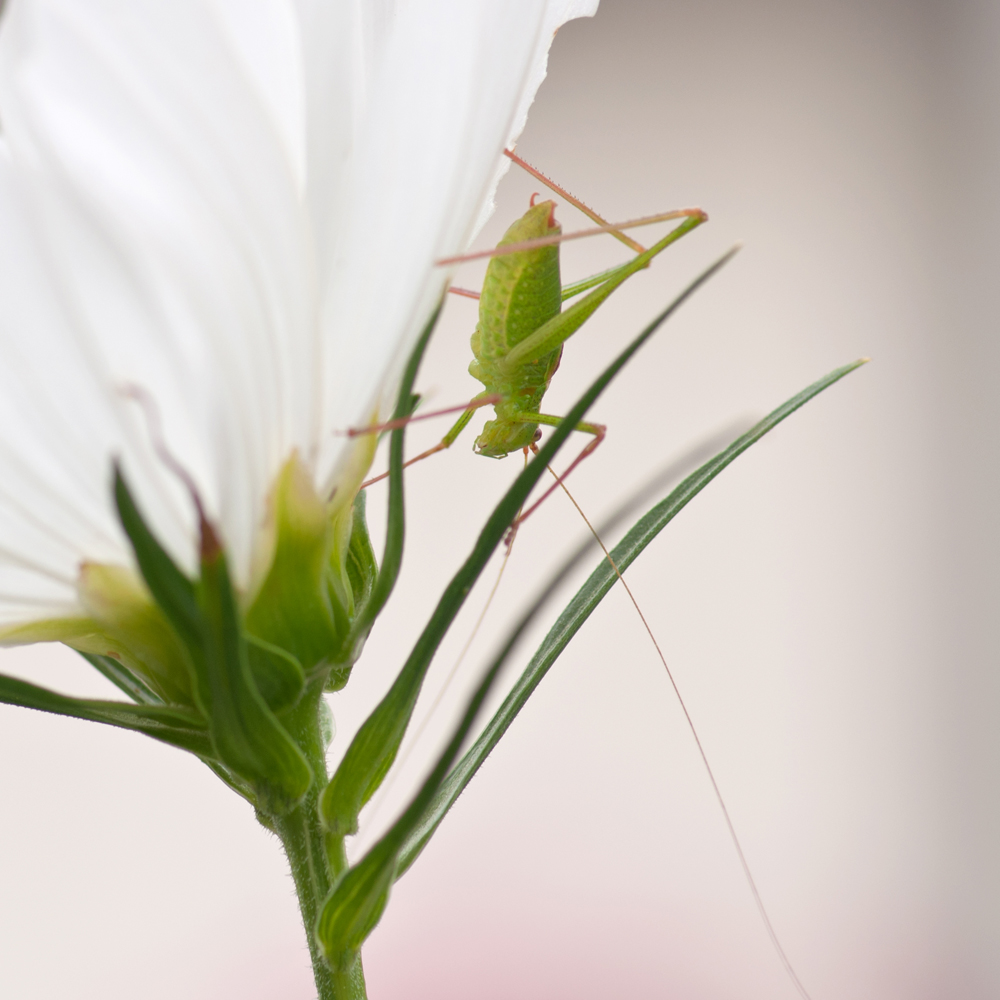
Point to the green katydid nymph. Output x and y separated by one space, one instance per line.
518 341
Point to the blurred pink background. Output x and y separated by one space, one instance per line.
827 605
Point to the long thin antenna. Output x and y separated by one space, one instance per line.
547 241
772 934
570 199
573 200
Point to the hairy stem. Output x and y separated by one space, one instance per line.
315 864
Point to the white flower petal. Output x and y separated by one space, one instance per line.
266 36
170 215
236 208
557 13
421 175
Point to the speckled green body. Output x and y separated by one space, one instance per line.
521 292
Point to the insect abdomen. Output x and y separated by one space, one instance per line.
521 291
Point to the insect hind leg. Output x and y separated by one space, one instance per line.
597 430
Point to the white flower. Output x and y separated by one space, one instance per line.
234 205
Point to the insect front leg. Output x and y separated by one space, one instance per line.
483 399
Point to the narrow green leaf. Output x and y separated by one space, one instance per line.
392 556
583 603
376 743
245 733
180 727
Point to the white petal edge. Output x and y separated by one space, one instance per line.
221 236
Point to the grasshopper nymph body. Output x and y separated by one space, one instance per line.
520 294
518 341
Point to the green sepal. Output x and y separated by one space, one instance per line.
246 737
171 589
362 571
145 628
278 675
245 733
322 571
135 649
338 581
294 610
131 628
362 567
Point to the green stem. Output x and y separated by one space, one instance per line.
315 864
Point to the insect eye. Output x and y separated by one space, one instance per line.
538 434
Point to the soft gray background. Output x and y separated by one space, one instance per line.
827 605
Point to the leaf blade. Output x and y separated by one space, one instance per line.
392 556
583 604
178 726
